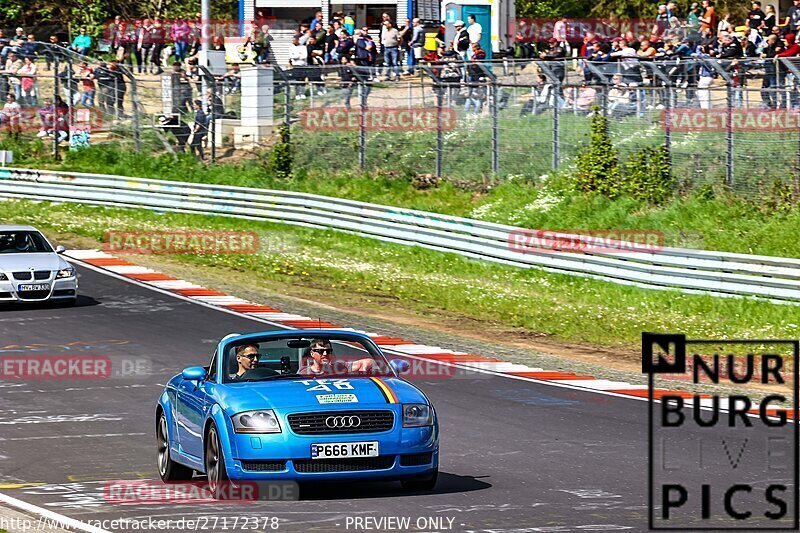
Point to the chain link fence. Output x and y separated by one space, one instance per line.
730 121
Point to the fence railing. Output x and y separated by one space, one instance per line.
693 271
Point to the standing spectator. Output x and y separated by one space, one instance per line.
331 44
350 23
724 27
365 49
693 25
384 17
13 64
28 82
770 18
145 46
193 39
346 45
298 54
118 88
179 31
560 31
316 22
461 39
390 41
416 45
82 42
662 21
51 50
182 86
793 17
476 91
86 75
756 17
769 82
216 106
159 37
119 42
105 83
347 76
475 32
4 41
199 130
708 21
706 76
672 9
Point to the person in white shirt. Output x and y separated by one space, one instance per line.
298 53
475 31
10 114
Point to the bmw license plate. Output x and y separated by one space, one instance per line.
37 287
333 450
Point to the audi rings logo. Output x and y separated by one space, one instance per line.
343 421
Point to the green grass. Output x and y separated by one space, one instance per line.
718 221
560 307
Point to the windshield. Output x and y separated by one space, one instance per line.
294 356
21 242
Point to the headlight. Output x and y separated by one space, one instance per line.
65 273
417 415
263 421
3 277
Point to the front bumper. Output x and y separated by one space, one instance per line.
404 453
60 289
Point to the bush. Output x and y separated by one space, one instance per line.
279 160
648 178
598 166
782 196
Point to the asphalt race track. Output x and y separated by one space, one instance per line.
515 455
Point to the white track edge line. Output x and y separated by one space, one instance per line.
61 520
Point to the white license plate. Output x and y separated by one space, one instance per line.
37 287
344 449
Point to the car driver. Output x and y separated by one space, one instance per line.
246 358
324 362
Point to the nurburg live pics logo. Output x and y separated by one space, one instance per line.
725 455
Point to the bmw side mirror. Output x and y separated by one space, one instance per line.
60 249
194 373
400 366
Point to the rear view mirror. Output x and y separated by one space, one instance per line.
298 343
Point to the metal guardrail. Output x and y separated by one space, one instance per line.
693 271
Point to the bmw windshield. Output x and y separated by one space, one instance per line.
22 242
298 356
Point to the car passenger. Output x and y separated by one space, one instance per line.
323 361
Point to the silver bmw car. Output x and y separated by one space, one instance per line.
31 270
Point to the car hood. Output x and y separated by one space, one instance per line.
28 261
290 394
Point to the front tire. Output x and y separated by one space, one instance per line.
215 464
168 469
421 484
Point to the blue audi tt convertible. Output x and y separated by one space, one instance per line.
302 405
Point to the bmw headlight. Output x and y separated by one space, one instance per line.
262 421
417 415
65 273
3 277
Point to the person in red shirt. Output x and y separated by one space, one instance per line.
86 75
708 22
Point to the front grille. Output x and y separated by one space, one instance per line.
416 459
264 466
5 295
314 423
33 295
381 462
22 276
41 274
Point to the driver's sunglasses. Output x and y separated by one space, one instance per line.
250 355
327 351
